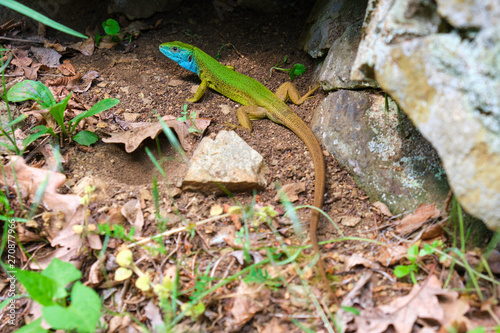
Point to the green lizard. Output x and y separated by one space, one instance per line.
258 102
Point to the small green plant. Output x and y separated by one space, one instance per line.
7 130
296 70
37 91
116 231
413 254
259 276
192 117
112 29
50 289
223 47
188 33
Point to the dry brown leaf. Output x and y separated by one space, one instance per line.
382 208
67 68
134 137
422 214
248 301
389 255
291 191
273 327
133 213
66 206
47 56
86 47
25 66
86 81
56 46
432 231
361 295
25 235
354 260
152 312
95 274
67 81
136 27
427 301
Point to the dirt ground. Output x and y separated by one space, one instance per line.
141 82
148 84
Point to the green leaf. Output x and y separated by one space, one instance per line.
427 250
97 38
41 289
32 137
15 121
31 90
5 63
39 17
62 272
296 70
57 111
86 138
9 147
194 311
351 309
111 27
412 253
33 327
402 270
82 315
98 107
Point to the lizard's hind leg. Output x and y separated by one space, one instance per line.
288 91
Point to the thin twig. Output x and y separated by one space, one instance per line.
21 40
174 231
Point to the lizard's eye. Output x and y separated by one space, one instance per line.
175 49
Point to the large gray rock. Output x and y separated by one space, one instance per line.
448 86
335 72
382 149
328 21
469 13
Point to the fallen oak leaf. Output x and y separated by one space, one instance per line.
389 255
290 191
422 214
248 301
134 137
133 213
86 47
25 66
426 301
67 206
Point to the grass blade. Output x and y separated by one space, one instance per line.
39 17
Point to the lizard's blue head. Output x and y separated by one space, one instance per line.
182 54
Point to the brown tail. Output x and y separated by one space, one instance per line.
299 127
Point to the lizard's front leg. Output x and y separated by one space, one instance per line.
200 92
288 91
